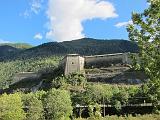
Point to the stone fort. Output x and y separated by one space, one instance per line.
75 63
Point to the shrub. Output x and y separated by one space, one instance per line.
11 107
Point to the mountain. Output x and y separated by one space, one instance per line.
18 45
7 50
85 46
45 58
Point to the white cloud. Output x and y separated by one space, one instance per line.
38 36
35 7
123 24
25 14
66 17
4 41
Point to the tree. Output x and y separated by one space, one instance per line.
58 105
34 107
145 30
11 107
95 94
76 80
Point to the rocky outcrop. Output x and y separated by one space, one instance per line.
116 75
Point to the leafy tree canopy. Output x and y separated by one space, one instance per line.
145 30
58 105
11 107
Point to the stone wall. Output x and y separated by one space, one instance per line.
75 63
25 76
107 60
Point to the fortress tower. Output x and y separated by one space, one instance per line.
73 63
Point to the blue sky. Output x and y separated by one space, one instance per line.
30 21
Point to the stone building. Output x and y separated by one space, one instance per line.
72 63
76 63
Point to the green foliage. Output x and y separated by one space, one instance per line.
74 79
88 46
40 95
122 96
85 46
34 107
58 105
145 30
108 94
117 104
95 94
90 109
151 90
9 69
11 107
98 112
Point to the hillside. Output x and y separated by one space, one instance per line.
15 59
9 50
85 46
6 51
18 45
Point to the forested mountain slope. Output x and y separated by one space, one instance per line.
10 50
6 50
15 59
85 46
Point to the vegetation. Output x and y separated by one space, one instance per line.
65 95
11 107
9 69
18 45
58 105
34 107
74 80
145 30
7 51
138 117
51 105
85 46
71 93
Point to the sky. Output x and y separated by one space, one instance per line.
40 21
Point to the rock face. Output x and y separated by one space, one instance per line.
119 74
